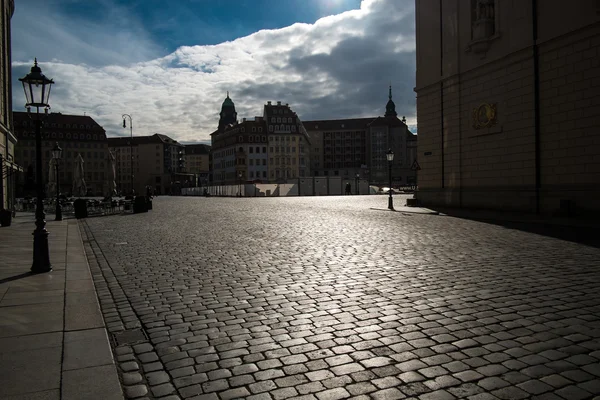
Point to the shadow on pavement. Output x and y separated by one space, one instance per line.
573 231
15 277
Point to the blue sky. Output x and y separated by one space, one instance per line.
169 63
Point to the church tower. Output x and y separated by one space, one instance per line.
390 107
228 114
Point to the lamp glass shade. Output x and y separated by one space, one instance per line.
56 152
390 155
36 87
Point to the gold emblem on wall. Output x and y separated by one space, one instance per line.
484 116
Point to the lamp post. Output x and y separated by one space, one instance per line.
240 184
357 189
37 93
130 146
57 156
390 158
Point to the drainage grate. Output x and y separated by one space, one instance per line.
130 336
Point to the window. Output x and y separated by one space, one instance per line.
257 149
240 138
251 161
264 174
251 149
264 162
251 139
293 128
270 128
253 129
243 129
264 149
273 119
260 130
278 119
293 138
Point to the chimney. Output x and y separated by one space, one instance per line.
278 103
243 119
268 103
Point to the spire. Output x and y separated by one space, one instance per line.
390 107
228 94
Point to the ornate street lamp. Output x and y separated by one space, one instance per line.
130 146
240 184
37 94
57 156
390 158
357 189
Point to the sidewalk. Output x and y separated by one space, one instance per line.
53 341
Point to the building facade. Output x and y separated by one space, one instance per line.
508 95
158 163
8 165
270 148
197 162
357 147
240 152
75 134
289 143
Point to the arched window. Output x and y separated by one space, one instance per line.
241 150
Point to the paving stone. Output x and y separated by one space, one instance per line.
131 378
162 390
317 300
133 392
573 393
129 366
535 387
333 394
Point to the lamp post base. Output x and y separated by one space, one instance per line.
58 214
390 203
41 256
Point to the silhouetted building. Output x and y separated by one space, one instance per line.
75 134
240 152
8 165
289 144
347 147
271 148
197 162
228 115
158 162
507 104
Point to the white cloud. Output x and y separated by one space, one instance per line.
338 67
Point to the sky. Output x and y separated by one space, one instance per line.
169 64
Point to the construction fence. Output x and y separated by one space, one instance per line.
315 186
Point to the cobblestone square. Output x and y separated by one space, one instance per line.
336 297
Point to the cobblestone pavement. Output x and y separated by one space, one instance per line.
335 297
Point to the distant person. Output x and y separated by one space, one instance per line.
348 188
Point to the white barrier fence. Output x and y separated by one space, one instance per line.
317 186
